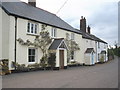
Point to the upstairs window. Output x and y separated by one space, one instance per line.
72 36
53 32
98 44
67 36
32 28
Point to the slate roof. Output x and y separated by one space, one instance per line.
103 52
90 36
27 11
89 50
97 39
55 44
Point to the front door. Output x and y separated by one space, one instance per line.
61 55
92 58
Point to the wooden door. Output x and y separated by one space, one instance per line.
61 55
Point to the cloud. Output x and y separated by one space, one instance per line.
102 17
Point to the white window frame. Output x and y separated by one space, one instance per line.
53 32
72 59
32 29
35 56
72 36
98 44
67 36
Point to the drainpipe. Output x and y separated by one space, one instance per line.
15 39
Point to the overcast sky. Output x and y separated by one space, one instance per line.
101 15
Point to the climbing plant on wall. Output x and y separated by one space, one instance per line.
72 45
42 41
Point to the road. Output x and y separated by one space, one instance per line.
98 76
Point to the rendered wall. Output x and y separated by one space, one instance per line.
5 35
0 33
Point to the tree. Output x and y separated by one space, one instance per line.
42 42
72 45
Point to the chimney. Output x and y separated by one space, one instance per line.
83 24
88 29
32 2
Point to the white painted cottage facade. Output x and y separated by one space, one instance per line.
19 20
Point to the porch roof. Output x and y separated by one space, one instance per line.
89 50
103 52
56 44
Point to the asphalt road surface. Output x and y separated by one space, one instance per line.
98 76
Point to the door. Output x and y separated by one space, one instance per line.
61 55
92 58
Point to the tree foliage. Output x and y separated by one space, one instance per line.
42 41
52 59
72 46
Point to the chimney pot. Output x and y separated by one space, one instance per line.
88 29
32 2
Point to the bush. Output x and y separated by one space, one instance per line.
36 66
102 59
4 67
43 61
52 60
20 67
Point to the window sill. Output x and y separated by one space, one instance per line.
32 34
31 62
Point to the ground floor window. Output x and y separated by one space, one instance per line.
98 57
31 54
72 55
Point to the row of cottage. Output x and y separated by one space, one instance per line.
21 23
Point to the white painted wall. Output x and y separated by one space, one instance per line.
102 47
78 38
87 59
87 43
22 51
5 35
0 33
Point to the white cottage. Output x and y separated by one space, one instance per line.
22 22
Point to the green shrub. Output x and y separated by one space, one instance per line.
43 61
4 66
102 59
52 60
36 65
20 67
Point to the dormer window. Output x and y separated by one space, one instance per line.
32 28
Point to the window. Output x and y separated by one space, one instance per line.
98 44
32 28
31 55
53 32
72 55
72 36
104 46
67 36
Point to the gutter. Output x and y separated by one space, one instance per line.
15 41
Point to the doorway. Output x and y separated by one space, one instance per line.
61 55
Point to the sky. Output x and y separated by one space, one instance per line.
101 15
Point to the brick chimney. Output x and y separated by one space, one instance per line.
32 2
88 29
83 24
